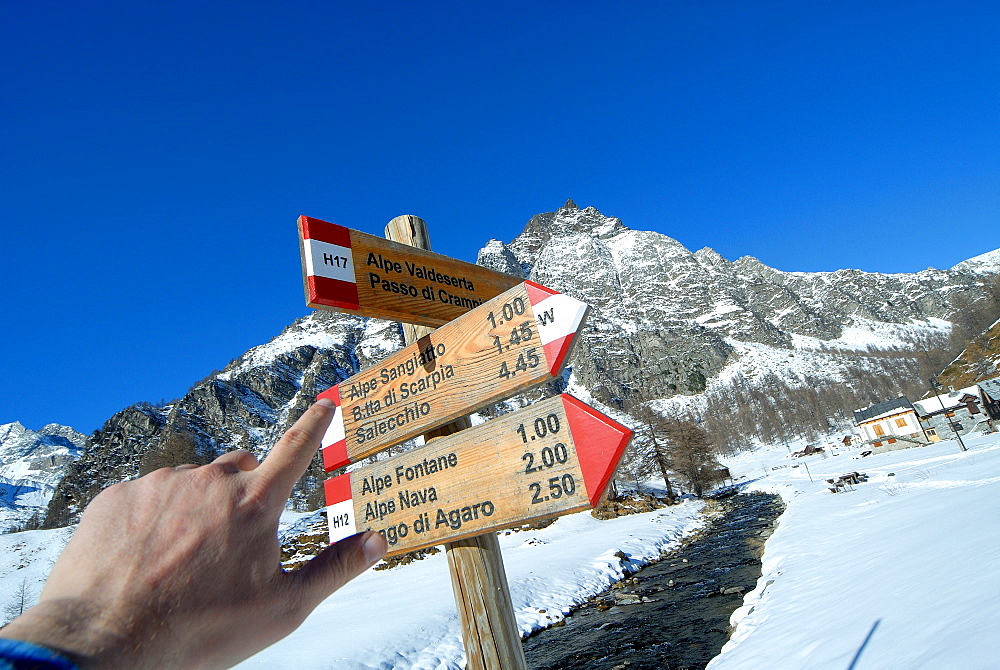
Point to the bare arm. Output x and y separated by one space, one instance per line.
180 568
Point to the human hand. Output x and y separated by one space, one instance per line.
180 568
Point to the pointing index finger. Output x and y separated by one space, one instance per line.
291 455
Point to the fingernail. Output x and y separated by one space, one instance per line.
374 547
326 402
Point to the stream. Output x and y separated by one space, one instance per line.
672 614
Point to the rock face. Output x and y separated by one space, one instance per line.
667 324
31 465
979 361
666 320
248 405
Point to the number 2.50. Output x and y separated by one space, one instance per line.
558 486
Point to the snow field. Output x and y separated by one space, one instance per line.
908 560
406 617
26 559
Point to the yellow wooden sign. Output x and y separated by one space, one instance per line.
518 340
552 458
346 270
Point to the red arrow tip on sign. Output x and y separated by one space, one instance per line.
559 317
537 292
600 443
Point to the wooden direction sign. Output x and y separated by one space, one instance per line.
346 270
519 339
552 458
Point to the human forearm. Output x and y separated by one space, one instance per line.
180 568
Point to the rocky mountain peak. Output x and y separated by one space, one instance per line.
31 464
16 441
667 321
498 256
711 259
988 263
11 431
568 220
587 220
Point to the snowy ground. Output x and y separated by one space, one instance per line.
901 572
406 617
25 561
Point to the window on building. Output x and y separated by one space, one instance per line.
879 432
931 432
901 423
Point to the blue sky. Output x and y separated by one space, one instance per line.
154 156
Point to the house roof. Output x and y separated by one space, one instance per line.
992 387
948 401
882 408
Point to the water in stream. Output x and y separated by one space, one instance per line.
673 614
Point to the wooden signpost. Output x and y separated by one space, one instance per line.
515 341
490 633
499 335
346 270
552 458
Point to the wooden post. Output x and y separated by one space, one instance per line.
478 579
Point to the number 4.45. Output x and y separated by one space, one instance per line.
525 361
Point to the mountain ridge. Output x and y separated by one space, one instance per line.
696 309
32 463
687 331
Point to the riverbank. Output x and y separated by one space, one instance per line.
898 571
673 613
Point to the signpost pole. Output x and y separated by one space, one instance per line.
935 388
489 629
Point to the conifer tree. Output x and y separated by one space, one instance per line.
20 600
653 426
692 453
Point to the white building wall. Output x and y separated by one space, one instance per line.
910 425
890 428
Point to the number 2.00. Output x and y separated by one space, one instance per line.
550 456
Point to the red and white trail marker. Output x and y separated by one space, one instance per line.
517 340
552 458
347 270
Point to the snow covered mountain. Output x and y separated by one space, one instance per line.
31 465
668 321
987 264
730 339
247 405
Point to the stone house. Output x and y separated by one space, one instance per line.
989 392
955 411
